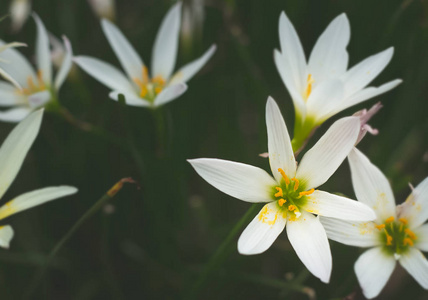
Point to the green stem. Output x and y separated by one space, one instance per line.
303 130
89 213
221 253
161 133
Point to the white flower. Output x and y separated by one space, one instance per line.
397 234
323 86
290 195
12 155
19 12
142 88
30 89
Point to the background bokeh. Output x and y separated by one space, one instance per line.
153 242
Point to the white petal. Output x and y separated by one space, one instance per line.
280 151
422 237
166 43
323 159
130 99
245 182
330 205
9 95
15 148
371 186
417 265
309 240
105 73
263 230
65 66
14 115
363 73
415 209
359 234
364 95
170 93
283 66
292 52
324 99
17 66
43 54
39 99
329 58
188 71
128 57
34 198
6 235
373 269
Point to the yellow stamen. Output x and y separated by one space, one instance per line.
404 221
388 239
306 193
389 220
308 90
380 227
281 202
296 183
407 241
292 207
279 194
145 75
158 90
410 233
287 181
144 91
159 80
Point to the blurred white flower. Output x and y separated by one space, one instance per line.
19 12
142 88
104 8
397 234
29 89
12 154
290 195
323 86
3 61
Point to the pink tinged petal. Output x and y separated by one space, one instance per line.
309 240
14 115
128 57
34 198
323 159
415 209
65 66
170 93
105 73
324 98
263 230
9 95
130 99
15 148
166 43
417 265
43 54
188 71
281 154
371 186
422 237
244 182
363 73
358 234
17 66
373 269
329 58
6 235
39 99
330 205
292 53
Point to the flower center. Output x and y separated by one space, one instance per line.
396 236
33 87
150 87
290 195
308 89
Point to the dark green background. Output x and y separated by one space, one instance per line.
159 238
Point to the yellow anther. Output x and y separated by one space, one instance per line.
159 80
380 227
404 221
145 75
281 202
146 86
389 220
158 90
279 194
296 183
144 91
308 90
388 240
411 234
287 181
292 207
407 241
306 193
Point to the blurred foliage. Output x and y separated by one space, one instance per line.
153 242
